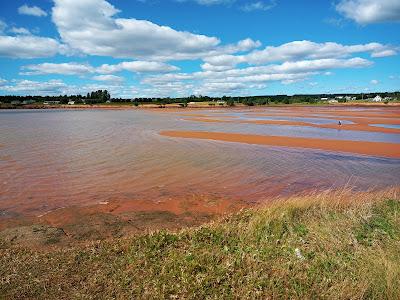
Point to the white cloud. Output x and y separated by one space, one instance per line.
370 11
374 81
74 68
60 69
259 5
235 79
209 2
384 53
138 66
28 47
295 51
51 87
58 87
307 49
90 27
20 30
109 78
31 11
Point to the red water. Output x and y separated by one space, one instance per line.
54 159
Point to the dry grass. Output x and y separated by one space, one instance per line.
347 248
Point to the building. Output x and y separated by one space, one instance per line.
324 99
71 102
332 101
377 99
51 102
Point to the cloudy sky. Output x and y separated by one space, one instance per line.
156 48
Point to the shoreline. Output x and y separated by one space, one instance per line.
195 107
337 244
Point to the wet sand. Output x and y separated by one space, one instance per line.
357 147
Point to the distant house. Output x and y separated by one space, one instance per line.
71 102
51 102
377 99
220 102
339 97
324 99
332 101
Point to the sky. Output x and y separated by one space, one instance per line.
175 48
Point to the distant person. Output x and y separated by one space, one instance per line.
340 123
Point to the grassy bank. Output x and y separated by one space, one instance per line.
332 245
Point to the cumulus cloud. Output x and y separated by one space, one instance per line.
98 32
138 66
51 87
259 5
31 11
109 78
287 72
28 46
295 51
209 2
20 31
307 49
74 68
370 11
60 69
374 81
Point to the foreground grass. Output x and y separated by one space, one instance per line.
332 245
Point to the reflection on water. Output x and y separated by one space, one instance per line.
53 159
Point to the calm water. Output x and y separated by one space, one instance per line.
52 159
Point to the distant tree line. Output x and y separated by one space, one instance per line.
99 96
258 100
102 96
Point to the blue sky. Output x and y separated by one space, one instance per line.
154 48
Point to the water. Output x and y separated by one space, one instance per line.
58 158
394 126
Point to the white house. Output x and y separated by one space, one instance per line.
51 102
377 99
71 102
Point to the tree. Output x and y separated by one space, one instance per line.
230 102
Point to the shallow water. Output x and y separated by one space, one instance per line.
59 158
394 126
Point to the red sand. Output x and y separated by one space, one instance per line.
367 148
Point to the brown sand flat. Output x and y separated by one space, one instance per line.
391 150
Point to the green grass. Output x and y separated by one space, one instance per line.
348 243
